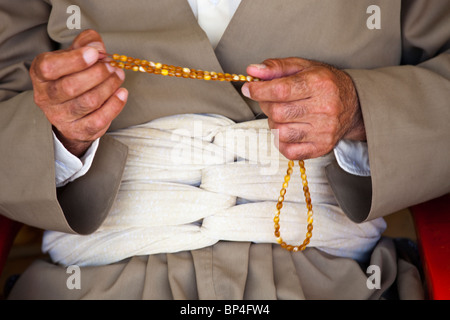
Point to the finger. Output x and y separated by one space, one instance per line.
291 132
90 38
286 112
277 68
288 89
298 151
97 123
93 99
74 85
54 65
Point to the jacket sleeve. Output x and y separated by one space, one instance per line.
406 111
28 191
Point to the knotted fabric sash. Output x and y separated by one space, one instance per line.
192 180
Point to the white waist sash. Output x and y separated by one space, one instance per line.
193 180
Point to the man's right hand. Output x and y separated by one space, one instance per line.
79 94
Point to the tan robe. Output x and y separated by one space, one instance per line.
405 110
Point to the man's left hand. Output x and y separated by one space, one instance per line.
312 105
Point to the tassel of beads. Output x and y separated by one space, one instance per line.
307 194
130 63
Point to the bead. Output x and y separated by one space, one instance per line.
135 64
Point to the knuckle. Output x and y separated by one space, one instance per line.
46 69
272 63
68 87
277 114
291 135
295 111
96 125
290 152
89 101
40 99
281 91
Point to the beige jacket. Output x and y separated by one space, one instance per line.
401 72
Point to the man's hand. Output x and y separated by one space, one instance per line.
313 105
79 94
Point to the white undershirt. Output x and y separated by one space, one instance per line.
213 16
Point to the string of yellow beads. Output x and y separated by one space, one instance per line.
130 63
307 194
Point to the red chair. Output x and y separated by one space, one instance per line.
8 231
432 223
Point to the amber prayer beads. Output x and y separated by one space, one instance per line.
130 63
307 194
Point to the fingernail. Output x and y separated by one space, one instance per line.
110 68
245 91
90 55
122 94
258 66
97 45
120 73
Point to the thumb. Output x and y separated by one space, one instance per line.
277 68
90 38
